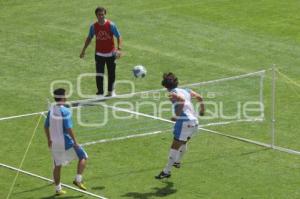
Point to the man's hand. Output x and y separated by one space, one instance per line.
118 54
174 118
49 144
76 145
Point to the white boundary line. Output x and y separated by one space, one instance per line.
24 115
23 159
142 92
49 180
121 138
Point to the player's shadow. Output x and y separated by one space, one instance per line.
229 155
98 188
158 192
255 151
61 197
34 189
47 197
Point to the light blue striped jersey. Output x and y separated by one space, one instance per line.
188 112
59 119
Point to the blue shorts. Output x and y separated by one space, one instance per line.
80 152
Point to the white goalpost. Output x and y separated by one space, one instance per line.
273 106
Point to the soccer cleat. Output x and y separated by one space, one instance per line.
60 192
99 94
177 165
80 185
111 94
163 175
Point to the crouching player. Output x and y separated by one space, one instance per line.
186 121
62 142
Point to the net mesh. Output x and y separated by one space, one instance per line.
229 100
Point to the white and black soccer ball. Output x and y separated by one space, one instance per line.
139 71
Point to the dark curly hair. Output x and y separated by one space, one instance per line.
100 9
169 81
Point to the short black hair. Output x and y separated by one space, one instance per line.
59 94
170 81
100 9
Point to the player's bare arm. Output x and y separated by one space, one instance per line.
86 44
200 100
48 137
119 43
119 47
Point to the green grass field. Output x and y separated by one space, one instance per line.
40 42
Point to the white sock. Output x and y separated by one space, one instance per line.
181 152
172 157
78 178
58 187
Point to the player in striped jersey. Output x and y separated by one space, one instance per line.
62 142
186 121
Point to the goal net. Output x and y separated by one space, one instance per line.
235 100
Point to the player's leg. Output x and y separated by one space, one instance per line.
111 71
82 159
181 152
56 176
173 154
100 63
188 129
80 167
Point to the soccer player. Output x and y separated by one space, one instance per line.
62 142
186 121
104 31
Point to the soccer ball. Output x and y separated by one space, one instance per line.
139 71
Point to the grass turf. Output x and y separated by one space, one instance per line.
40 42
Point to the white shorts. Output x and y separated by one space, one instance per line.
64 157
183 130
